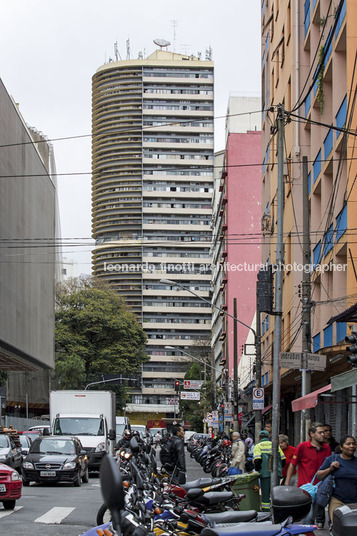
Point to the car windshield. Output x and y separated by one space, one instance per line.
53 446
24 440
4 441
79 426
120 429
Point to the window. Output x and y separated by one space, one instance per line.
316 343
341 223
328 336
328 240
341 115
317 254
317 166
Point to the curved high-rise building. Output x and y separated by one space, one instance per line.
152 185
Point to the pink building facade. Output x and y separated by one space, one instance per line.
237 253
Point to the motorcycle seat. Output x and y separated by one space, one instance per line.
252 529
215 497
231 516
201 483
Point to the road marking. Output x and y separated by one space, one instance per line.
55 515
4 513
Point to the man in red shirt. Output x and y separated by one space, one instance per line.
308 458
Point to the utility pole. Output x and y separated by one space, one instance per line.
306 300
235 367
278 300
258 371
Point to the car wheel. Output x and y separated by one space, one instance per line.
85 477
78 482
9 505
25 482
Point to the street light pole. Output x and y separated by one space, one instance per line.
106 381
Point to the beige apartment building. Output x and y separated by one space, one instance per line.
298 38
152 208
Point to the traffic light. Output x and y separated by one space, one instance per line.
265 293
177 386
352 339
222 406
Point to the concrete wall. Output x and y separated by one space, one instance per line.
27 231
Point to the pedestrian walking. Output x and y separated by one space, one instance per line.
238 452
263 462
308 458
329 439
289 452
343 467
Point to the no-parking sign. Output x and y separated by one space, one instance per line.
258 398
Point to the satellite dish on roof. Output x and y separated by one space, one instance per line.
162 43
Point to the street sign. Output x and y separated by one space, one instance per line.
258 398
190 395
294 360
316 361
291 360
192 384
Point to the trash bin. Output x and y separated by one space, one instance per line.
248 483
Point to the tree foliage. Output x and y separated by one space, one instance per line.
96 334
199 362
3 377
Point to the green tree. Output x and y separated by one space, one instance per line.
95 334
3 377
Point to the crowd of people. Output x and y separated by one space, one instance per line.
319 456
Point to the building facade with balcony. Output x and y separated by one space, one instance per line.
152 182
308 53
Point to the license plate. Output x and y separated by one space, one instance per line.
48 473
2 487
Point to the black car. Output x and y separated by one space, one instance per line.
10 453
56 459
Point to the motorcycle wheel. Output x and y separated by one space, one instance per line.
103 515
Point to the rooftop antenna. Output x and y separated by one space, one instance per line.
128 49
209 53
174 24
162 43
185 48
116 51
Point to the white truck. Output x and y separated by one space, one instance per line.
89 415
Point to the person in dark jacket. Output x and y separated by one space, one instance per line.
178 446
329 439
124 442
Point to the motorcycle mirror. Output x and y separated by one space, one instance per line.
111 483
134 445
112 435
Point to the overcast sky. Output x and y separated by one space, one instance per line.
50 50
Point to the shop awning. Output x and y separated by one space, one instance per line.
310 400
344 380
267 408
